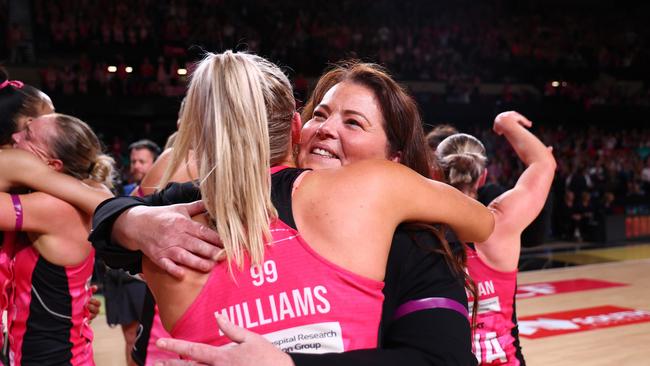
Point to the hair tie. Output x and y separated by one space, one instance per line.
15 83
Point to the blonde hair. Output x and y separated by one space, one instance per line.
462 159
234 101
80 151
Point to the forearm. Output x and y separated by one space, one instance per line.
19 168
527 146
114 254
374 357
124 230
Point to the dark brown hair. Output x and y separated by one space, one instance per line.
16 102
402 121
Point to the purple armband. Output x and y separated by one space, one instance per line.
18 207
430 303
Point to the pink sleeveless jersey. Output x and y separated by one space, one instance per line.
47 315
495 337
6 275
157 331
297 299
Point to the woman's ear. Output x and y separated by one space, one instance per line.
482 179
397 157
55 164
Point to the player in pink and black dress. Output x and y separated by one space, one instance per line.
492 264
51 260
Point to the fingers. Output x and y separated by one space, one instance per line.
204 233
194 208
93 289
93 307
510 118
235 333
196 351
525 122
207 243
170 267
182 256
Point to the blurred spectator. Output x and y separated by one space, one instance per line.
568 218
142 155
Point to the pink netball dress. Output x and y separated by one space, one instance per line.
47 315
496 337
295 298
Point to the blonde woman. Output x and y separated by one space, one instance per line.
50 256
494 261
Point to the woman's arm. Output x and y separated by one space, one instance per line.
61 229
22 169
402 195
517 208
125 227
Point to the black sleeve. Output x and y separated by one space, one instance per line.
427 337
113 254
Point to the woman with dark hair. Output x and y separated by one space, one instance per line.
19 104
397 128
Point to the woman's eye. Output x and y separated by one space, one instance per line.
353 122
319 115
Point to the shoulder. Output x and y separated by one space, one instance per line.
180 193
43 202
364 178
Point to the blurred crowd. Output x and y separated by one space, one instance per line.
599 173
461 44
583 55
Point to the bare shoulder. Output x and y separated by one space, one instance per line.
45 202
364 175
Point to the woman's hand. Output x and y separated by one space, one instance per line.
507 120
93 304
248 349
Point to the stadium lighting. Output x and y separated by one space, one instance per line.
112 68
129 69
555 84
181 71
564 84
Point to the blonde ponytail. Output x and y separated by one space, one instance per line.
102 170
225 122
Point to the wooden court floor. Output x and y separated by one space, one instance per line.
619 346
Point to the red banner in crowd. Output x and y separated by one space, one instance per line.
579 320
537 289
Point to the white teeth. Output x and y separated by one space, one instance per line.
322 152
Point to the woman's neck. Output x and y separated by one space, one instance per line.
287 161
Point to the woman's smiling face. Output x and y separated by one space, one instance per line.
346 126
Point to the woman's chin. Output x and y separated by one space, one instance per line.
317 162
